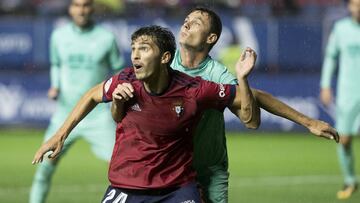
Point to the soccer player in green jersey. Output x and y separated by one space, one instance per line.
199 33
344 44
81 54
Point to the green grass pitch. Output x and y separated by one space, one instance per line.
264 168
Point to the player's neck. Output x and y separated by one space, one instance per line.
191 58
88 26
159 82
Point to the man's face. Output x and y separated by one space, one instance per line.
145 57
195 30
354 7
80 11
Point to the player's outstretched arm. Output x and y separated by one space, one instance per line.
86 104
122 93
244 105
275 106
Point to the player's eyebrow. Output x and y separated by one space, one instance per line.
142 43
198 18
195 18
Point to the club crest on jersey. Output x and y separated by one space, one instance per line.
178 108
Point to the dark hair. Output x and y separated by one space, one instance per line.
215 21
162 37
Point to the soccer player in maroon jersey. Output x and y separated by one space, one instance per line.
152 157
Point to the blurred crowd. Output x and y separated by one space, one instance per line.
170 7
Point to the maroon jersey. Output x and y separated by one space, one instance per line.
153 147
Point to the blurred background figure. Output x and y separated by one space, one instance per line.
344 45
51 7
110 7
230 54
16 7
82 55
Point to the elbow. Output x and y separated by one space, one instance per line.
251 122
252 119
253 125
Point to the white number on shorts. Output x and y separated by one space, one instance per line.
121 198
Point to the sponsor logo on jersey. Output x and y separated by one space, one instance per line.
188 201
222 91
107 85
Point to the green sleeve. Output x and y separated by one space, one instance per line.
55 64
115 58
227 78
330 57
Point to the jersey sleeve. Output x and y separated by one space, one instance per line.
221 74
210 95
115 57
227 78
126 75
329 65
54 62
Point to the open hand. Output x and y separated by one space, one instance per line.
246 62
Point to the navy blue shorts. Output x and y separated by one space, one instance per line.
185 194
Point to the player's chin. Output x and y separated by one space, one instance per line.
139 75
182 39
81 21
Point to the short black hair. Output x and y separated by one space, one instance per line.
215 21
162 37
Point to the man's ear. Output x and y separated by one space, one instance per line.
165 58
211 39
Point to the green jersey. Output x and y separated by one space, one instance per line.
80 59
344 44
209 140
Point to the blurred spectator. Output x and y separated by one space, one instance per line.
230 54
109 7
51 7
284 7
145 8
16 7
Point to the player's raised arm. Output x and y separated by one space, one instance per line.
275 106
244 105
86 104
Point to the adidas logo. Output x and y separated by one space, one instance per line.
135 107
